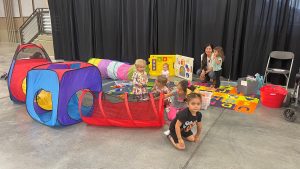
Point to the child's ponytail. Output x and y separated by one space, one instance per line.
191 87
185 85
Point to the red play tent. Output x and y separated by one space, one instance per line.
26 57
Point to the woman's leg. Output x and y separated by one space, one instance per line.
198 72
211 75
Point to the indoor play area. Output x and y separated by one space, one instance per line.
149 84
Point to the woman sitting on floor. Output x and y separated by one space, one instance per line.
206 72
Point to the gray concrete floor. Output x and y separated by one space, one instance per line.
230 140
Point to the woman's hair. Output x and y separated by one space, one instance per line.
186 85
204 58
162 80
191 96
220 51
140 62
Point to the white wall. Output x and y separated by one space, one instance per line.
41 4
2 14
26 7
16 8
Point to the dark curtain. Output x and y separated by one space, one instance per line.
129 29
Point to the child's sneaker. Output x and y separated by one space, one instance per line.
167 132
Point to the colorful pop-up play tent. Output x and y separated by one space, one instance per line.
63 81
26 57
113 69
124 112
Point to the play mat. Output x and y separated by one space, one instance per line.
227 97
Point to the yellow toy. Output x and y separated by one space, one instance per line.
157 61
43 99
94 61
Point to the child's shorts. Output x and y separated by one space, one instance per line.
183 134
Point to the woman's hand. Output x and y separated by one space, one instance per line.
202 74
209 69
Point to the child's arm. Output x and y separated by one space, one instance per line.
218 60
199 128
137 80
146 79
178 132
168 95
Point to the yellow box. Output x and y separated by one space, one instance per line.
157 61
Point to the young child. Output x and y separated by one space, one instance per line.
178 99
186 119
165 72
140 80
161 86
217 59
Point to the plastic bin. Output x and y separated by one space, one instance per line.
206 97
272 96
247 87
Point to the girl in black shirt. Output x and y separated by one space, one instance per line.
181 126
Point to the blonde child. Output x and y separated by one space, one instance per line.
186 119
217 59
140 80
178 99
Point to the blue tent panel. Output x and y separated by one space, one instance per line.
42 80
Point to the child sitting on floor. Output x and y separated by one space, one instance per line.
186 119
140 80
178 99
161 86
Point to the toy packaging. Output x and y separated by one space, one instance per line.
157 61
184 67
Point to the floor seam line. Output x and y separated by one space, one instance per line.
4 97
194 152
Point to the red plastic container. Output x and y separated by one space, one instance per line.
272 95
